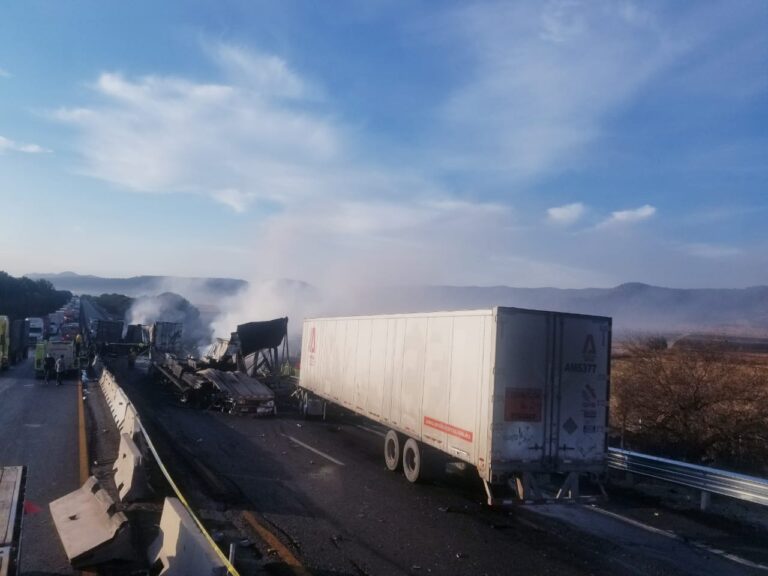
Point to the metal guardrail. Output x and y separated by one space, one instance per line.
708 480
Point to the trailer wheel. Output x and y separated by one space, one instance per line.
412 460
392 451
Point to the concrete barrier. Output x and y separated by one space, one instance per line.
119 407
108 387
91 529
130 473
181 549
131 424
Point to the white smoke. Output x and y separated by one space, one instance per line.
170 307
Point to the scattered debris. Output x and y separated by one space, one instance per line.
217 535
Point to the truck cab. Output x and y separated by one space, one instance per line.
36 330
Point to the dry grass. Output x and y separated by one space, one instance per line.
703 405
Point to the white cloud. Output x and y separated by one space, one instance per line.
265 74
711 251
168 134
4 73
545 78
629 216
8 145
344 246
233 198
566 214
541 87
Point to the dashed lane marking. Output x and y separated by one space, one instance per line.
673 536
315 450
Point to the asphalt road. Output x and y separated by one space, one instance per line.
92 312
38 425
323 488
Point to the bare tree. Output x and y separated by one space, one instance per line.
703 404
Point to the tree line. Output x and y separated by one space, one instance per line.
23 298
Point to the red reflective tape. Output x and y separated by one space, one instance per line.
448 429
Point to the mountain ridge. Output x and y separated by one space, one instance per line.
634 306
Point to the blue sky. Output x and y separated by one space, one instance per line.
556 143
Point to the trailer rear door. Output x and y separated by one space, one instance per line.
521 400
584 347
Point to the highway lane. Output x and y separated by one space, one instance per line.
38 425
323 488
92 312
353 518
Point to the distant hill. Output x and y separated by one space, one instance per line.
200 290
635 307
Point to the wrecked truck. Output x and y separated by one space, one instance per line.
213 389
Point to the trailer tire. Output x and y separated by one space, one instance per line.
392 451
412 461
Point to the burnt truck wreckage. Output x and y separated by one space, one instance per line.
234 375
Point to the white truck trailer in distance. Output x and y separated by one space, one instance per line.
510 391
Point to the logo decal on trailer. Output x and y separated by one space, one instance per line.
588 350
465 435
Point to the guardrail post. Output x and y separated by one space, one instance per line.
706 498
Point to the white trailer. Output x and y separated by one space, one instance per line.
512 392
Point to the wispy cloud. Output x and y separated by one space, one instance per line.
8 145
566 214
546 76
233 198
170 134
265 74
4 73
534 86
711 251
629 216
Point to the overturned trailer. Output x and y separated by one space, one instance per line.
257 349
214 389
238 393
